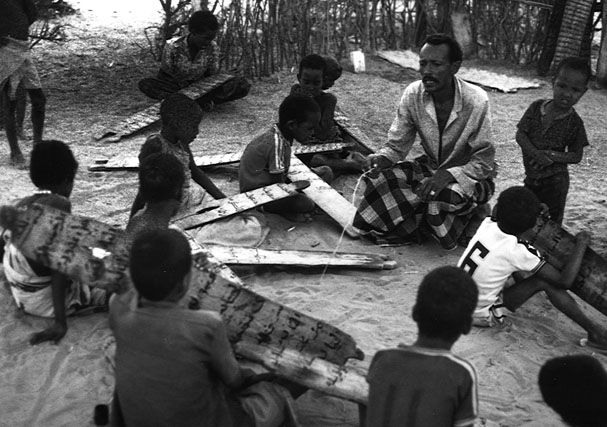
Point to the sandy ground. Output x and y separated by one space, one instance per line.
91 80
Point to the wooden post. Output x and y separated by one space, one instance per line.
601 70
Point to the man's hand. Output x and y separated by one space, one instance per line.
377 161
54 333
430 187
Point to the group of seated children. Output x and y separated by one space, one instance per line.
161 342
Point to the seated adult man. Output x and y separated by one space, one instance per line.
192 57
442 188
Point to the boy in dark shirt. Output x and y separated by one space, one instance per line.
267 158
552 135
17 68
36 289
576 388
313 72
175 366
425 384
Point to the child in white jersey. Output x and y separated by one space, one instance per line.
499 249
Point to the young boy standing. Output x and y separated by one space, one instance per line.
552 135
499 249
175 366
36 289
192 57
17 68
424 384
266 158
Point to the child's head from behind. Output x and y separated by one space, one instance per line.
333 71
160 261
517 210
180 117
161 178
446 299
570 82
298 116
311 72
576 388
203 27
53 167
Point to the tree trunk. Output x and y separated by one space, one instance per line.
601 69
421 22
573 30
552 34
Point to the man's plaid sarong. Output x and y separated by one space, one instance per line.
389 202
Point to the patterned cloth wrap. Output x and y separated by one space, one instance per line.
390 200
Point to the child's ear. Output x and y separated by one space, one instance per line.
291 125
415 314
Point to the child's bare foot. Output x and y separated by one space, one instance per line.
324 172
355 161
17 159
298 217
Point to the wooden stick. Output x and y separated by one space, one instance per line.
132 162
256 256
325 196
151 114
240 203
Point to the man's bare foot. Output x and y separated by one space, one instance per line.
298 217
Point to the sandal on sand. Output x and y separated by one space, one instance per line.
587 342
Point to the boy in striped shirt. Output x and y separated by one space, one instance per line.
424 384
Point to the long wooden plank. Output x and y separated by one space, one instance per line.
256 256
151 115
240 203
66 242
341 381
325 196
132 162
556 246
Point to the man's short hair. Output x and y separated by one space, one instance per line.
296 107
446 299
455 50
161 177
159 261
52 163
516 210
575 63
576 388
312 62
177 109
202 21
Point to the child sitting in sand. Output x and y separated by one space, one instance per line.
267 158
576 388
36 289
180 118
499 249
552 135
192 57
424 384
313 71
175 366
161 179
17 69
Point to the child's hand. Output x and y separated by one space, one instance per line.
54 333
8 216
541 160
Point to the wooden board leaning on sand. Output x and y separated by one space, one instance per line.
299 258
556 246
91 251
325 196
150 115
239 203
132 162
